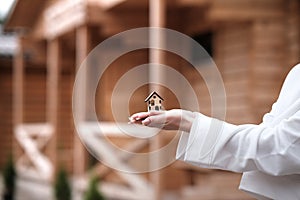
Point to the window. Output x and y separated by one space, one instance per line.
205 40
152 102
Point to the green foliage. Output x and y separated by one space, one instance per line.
9 176
62 186
92 193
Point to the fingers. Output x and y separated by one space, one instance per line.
167 120
155 119
175 119
145 117
138 117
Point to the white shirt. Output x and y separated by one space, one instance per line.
268 154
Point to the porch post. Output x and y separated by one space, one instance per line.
18 80
157 11
18 92
82 49
53 74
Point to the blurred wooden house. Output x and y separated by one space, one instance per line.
253 42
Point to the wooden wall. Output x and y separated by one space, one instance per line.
268 63
6 126
34 94
293 32
254 58
65 128
108 82
232 45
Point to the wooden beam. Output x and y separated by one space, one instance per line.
116 22
63 17
53 74
157 18
135 146
38 31
24 14
18 82
83 38
104 150
82 50
53 63
33 163
18 93
241 10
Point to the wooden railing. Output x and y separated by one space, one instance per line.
94 136
33 139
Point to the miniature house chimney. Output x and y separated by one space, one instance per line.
154 102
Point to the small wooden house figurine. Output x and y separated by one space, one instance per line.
154 102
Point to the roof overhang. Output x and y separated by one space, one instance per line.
24 14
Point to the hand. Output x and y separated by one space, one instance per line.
175 119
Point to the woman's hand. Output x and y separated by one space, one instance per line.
175 119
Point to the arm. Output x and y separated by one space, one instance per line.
272 147
243 148
212 143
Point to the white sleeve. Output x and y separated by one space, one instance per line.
272 147
289 94
216 144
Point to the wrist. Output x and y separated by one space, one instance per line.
187 120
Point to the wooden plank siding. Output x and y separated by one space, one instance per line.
6 124
231 54
108 82
268 64
293 32
34 95
65 128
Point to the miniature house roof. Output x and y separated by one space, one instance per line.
153 93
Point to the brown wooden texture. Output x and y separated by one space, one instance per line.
6 107
232 47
